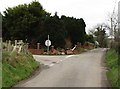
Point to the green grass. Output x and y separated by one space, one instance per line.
112 63
16 67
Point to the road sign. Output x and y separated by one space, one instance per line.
47 42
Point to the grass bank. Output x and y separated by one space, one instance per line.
16 67
0 74
113 68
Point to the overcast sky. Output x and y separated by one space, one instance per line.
92 11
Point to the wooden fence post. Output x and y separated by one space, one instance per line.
25 48
9 45
38 46
15 42
27 45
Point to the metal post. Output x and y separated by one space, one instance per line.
48 46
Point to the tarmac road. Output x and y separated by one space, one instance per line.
83 70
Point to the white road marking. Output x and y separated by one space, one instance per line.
57 62
51 65
69 56
37 57
46 64
61 60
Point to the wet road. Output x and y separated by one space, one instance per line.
83 70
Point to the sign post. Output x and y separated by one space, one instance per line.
48 43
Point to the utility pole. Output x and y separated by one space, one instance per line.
111 33
113 29
119 25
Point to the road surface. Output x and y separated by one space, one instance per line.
83 70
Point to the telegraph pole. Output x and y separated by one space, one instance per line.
119 27
111 33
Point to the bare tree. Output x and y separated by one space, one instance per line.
112 24
99 33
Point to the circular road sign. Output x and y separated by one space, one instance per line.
47 42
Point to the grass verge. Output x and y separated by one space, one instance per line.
0 74
16 67
113 68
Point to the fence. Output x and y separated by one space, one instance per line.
37 49
16 46
19 46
